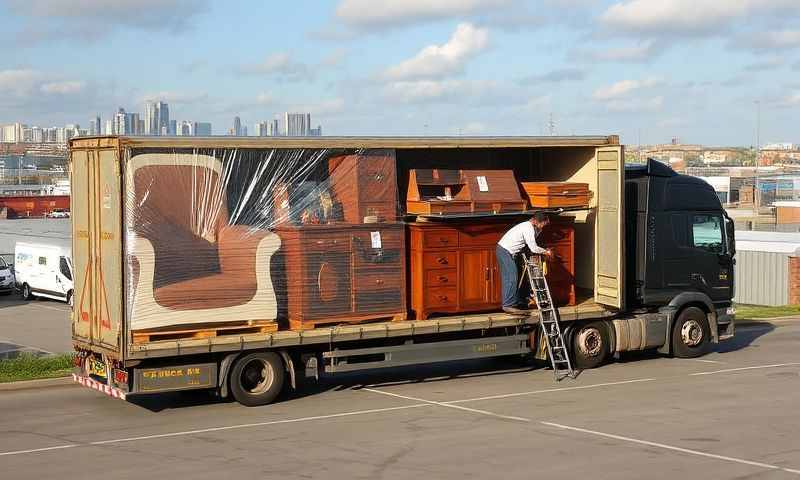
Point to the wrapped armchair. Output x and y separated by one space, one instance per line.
187 264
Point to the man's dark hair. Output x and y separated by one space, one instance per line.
541 217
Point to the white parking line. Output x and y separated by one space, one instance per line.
35 450
705 361
220 429
549 390
670 447
36 305
448 405
756 367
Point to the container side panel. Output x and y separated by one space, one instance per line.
109 250
608 239
81 173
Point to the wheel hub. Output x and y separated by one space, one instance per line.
692 333
257 376
590 342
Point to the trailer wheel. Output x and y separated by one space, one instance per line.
591 345
26 292
256 379
691 335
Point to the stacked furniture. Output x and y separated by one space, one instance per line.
448 192
351 270
557 194
560 237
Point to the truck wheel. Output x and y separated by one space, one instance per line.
256 379
26 292
591 345
690 334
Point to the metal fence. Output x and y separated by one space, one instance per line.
762 278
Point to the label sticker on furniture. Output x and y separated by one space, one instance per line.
483 185
376 239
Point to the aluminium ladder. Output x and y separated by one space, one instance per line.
548 317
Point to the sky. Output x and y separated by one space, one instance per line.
647 70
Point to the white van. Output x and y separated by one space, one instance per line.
43 271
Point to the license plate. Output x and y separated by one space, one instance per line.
97 368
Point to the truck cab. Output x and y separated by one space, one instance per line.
683 245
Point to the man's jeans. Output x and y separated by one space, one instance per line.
508 277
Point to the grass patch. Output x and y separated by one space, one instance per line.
31 367
757 311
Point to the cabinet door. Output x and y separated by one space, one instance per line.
476 277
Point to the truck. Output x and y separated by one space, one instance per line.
252 265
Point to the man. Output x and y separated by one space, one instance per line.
513 242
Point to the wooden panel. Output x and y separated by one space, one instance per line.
475 277
482 235
375 280
432 260
439 239
441 297
609 234
441 278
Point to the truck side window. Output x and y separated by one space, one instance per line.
707 233
64 268
42 260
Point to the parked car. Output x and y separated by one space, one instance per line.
7 281
59 213
43 271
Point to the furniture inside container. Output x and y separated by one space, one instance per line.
543 164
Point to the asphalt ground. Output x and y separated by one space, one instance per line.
39 326
731 414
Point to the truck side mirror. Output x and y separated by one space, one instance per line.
730 236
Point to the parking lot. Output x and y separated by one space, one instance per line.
731 414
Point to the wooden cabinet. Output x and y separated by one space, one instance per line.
343 273
366 185
560 237
454 268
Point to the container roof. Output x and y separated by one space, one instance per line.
349 142
774 242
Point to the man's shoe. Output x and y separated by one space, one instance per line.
515 311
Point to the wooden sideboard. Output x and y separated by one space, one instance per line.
454 267
343 273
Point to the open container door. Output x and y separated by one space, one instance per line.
609 233
97 256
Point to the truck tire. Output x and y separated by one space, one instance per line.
690 334
257 378
591 345
26 292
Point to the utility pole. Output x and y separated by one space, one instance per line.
756 192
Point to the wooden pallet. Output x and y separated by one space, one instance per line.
203 331
297 325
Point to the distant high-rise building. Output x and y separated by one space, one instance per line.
121 126
140 127
95 127
37 135
244 130
109 130
260 129
163 117
173 126
150 119
237 126
297 124
184 129
202 129
132 123
315 132
272 128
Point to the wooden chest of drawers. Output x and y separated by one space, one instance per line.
343 273
560 237
453 267
366 185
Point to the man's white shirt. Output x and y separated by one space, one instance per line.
519 236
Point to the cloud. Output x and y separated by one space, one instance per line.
334 58
369 14
767 63
331 106
567 74
792 100
441 60
280 65
453 91
63 88
265 98
769 41
623 88
694 17
513 21
636 105
471 128
643 52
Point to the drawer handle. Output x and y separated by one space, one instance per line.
443 240
442 279
442 260
379 281
443 298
